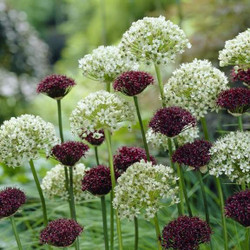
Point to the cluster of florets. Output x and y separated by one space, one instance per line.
230 156
185 233
171 121
105 64
95 139
53 184
11 199
195 86
154 40
55 86
126 156
60 233
132 83
235 100
100 110
242 75
237 207
69 153
141 188
23 138
236 51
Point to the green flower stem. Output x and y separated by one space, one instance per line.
136 233
247 244
158 74
240 123
204 127
181 187
16 233
96 155
108 86
157 231
104 221
112 225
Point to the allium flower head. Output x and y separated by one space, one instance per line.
230 155
10 201
95 139
142 187
171 121
60 233
100 110
235 100
55 86
104 64
23 138
153 39
237 207
132 83
195 86
236 51
69 153
185 233
126 156
241 75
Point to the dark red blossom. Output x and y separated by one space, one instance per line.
126 156
90 138
185 233
171 121
237 207
195 154
60 233
241 75
69 153
10 201
55 86
132 83
235 100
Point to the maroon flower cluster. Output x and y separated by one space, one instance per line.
94 141
97 180
69 153
10 201
241 75
235 100
185 233
132 83
195 154
237 207
55 86
126 156
171 121
60 233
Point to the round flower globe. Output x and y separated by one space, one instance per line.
95 139
241 75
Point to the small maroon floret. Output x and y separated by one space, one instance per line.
132 83
90 138
241 75
60 233
185 233
69 153
237 207
11 199
171 121
55 86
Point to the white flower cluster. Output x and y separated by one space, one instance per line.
23 138
155 40
230 156
105 64
53 184
236 51
142 187
195 86
100 110
159 140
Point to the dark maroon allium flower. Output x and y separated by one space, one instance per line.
55 86
69 153
10 201
241 75
237 207
97 180
185 233
126 156
132 83
195 154
93 140
235 100
60 233
171 121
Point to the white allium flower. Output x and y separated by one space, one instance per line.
230 155
142 187
155 40
53 184
105 64
236 51
23 138
195 86
100 110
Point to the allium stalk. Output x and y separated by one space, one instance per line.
104 222
159 78
16 233
158 232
